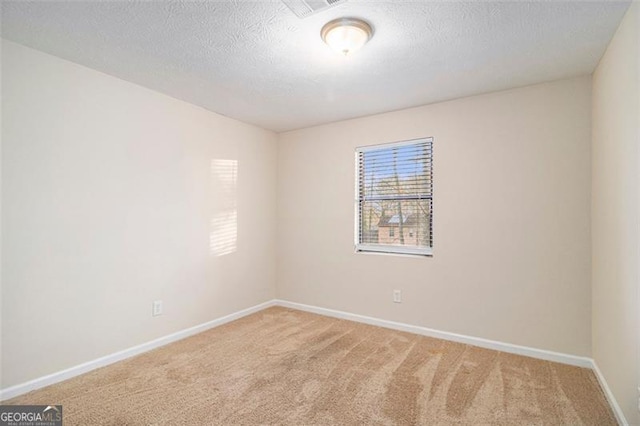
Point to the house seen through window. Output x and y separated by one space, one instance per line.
394 197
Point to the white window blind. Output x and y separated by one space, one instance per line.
394 197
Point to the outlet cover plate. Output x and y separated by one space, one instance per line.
157 308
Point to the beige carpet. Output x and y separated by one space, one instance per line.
282 366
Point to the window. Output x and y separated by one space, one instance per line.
394 203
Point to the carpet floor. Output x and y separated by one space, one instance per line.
286 367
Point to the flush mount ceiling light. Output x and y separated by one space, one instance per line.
346 35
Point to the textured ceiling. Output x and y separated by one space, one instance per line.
257 62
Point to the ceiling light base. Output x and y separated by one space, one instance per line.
346 35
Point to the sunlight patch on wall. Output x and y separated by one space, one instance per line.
223 237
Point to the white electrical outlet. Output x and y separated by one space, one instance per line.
157 308
397 296
639 398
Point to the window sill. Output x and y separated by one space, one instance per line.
391 251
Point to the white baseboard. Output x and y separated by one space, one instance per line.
460 338
50 379
77 370
574 360
622 421
475 341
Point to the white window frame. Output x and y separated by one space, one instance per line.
385 248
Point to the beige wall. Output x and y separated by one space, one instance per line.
511 218
615 214
112 198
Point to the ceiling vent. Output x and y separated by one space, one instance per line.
304 8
